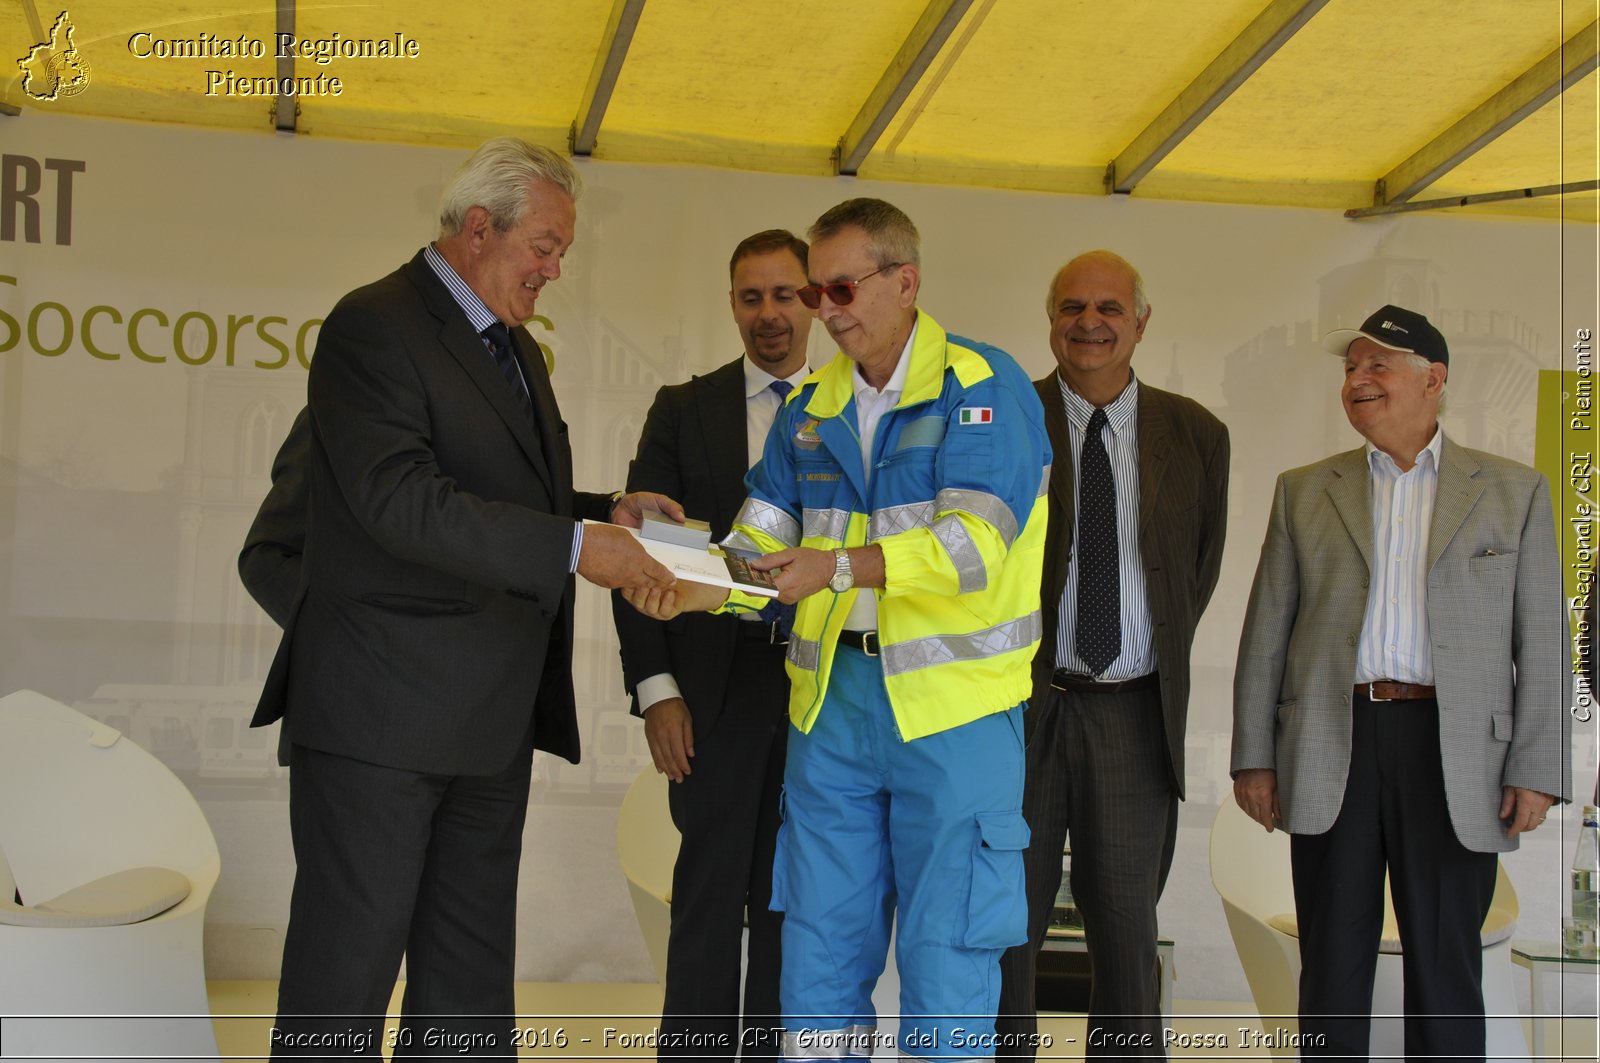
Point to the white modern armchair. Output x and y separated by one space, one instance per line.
647 848
114 863
1250 871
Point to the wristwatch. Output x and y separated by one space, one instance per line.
843 579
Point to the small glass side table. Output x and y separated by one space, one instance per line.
1544 959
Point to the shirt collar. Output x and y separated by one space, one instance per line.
1427 457
476 310
757 380
897 379
1119 412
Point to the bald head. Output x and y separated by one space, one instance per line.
1111 260
1098 311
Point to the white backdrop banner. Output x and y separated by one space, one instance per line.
160 294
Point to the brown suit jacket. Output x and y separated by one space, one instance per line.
1183 517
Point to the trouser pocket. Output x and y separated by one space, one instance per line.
997 906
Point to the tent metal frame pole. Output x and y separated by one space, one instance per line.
937 21
1466 201
1232 67
285 109
620 25
1569 63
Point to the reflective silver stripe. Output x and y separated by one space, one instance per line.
857 1040
941 649
1044 484
891 520
986 507
957 542
738 542
804 653
765 517
826 524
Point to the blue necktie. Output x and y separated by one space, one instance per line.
775 612
498 339
1098 635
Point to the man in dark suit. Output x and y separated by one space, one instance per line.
1138 509
1400 701
428 650
712 689
269 563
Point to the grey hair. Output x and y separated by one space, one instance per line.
891 234
497 177
1421 364
1141 301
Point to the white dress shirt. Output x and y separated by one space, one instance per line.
871 405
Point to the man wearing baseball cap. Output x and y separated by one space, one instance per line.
1401 691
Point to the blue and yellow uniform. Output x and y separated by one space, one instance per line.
903 786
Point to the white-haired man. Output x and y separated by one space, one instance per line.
428 650
1400 700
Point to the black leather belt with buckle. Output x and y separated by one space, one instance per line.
761 631
865 641
1391 690
1079 683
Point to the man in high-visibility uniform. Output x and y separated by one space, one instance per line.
899 502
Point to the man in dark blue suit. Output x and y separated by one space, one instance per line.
712 689
427 650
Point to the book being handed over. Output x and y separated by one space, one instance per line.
687 551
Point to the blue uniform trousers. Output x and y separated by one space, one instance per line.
872 824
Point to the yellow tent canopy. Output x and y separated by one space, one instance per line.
1340 104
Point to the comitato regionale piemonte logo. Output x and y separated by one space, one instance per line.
54 69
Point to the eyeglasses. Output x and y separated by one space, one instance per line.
840 293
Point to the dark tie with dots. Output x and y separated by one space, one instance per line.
1098 638
775 611
498 339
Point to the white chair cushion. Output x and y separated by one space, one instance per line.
130 896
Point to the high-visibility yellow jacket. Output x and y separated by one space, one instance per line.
956 502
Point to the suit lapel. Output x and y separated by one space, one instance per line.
545 453
1063 482
1155 451
457 337
1458 492
1352 499
720 409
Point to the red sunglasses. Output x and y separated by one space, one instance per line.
840 293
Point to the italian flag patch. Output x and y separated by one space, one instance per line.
977 414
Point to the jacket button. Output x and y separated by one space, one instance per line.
1349 640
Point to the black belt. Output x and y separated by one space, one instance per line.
865 641
1079 683
1393 690
768 632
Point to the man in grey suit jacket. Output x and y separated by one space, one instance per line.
427 651
1400 700
1110 697
712 689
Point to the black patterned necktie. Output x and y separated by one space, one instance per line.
1098 638
498 339
775 612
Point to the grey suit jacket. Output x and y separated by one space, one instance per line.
1183 518
432 630
1496 622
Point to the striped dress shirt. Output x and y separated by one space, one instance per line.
1394 634
1121 438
